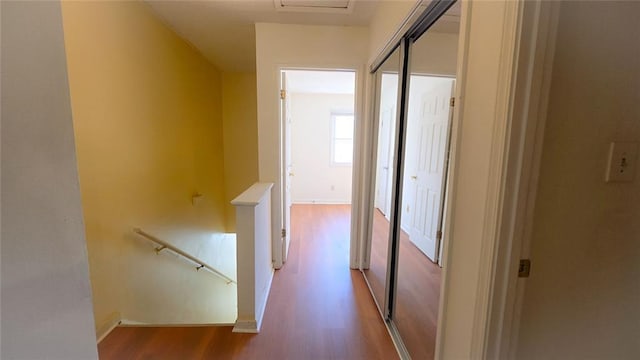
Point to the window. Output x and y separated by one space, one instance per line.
342 141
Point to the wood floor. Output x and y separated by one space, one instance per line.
418 290
417 300
318 308
377 272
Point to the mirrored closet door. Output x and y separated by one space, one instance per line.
387 92
408 234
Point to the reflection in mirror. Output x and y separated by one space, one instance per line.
429 115
387 97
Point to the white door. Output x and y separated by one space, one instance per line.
383 191
287 170
386 141
432 149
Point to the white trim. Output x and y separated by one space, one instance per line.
132 323
334 138
321 202
277 5
114 320
495 196
538 135
504 140
358 111
246 327
366 147
358 173
461 75
519 96
530 107
367 164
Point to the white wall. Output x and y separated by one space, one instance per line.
388 17
582 298
316 179
435 54
278 46
46 294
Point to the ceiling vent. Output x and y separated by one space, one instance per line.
317 6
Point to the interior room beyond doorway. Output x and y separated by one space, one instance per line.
321 120
318 117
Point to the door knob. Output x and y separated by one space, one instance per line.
291 174
414 177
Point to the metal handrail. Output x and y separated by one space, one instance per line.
164 245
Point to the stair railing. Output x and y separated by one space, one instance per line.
163 245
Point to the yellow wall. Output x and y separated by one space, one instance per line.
148 124
239 114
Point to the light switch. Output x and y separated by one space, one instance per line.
622 161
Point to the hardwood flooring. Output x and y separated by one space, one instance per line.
377 272
417 300
318 308
418 290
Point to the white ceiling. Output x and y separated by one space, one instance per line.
223 30
450 21
321 82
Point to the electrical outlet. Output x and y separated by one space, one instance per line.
622 162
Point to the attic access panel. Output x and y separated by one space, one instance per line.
334 6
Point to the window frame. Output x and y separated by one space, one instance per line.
334 116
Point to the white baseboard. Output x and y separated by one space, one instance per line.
130 323
112 322
246 326
116 320
322 202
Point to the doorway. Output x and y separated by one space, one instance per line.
318 122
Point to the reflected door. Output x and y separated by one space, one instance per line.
432 151
385 151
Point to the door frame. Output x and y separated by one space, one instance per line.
280 247
485 286
285 174
539 23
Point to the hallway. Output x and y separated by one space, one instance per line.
318 308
